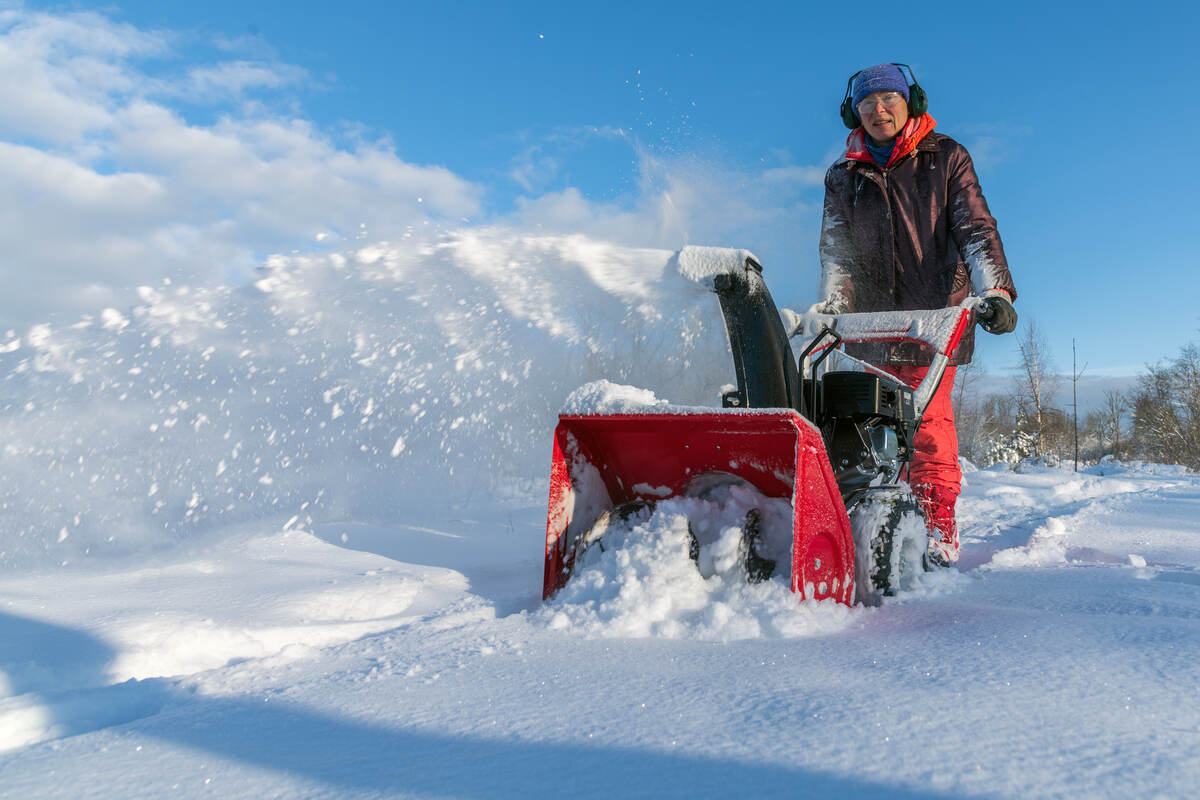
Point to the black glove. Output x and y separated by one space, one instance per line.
998 315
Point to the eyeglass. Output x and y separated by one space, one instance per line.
889 100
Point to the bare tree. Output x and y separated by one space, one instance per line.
1109 419
1037 386
968 416
1094 442
997 431
1076 373
965 376
1166 411
1000 411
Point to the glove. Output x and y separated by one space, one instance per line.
998 315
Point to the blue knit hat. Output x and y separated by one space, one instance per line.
879 78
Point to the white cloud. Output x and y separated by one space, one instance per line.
773 210
690 201
541 162
36 177
993 144
799 176
235 77
63 73
109 188
247 44
532 169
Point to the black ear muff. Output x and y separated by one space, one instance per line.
849 118
918 101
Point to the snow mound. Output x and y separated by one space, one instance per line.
1138 469
271 597
1047 547
642 582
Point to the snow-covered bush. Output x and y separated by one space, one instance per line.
1010 448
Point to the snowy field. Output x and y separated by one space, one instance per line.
286 541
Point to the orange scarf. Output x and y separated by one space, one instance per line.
906 141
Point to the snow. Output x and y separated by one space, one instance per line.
702 264
643 583
606 397
212 585
265 595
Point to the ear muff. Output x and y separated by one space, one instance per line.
918 101
849 118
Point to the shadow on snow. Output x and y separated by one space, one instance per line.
63 671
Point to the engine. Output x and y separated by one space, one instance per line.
867 422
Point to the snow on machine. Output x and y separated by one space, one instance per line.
826 432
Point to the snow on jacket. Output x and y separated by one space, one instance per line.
916 235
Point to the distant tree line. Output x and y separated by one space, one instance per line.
1156 420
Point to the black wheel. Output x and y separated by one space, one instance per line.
714 486
889 541
758 567
624 515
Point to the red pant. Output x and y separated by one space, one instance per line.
934 474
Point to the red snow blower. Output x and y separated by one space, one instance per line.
826 432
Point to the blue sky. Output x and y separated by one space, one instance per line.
562 115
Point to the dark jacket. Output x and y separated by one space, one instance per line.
915 236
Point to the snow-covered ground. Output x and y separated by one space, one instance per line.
287 542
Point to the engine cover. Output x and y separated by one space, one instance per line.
863 395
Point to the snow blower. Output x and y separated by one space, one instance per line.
826 432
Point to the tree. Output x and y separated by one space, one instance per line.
1075 375
1166 410
1036 387
1093 444
998 437
1010 448
968 416
1109 419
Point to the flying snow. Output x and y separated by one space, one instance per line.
355 384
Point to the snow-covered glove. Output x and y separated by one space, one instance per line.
997 315
830 306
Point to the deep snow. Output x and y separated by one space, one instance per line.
286 541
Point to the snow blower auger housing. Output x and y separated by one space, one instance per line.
826 432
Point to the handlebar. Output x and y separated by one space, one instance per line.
983 312
940 329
